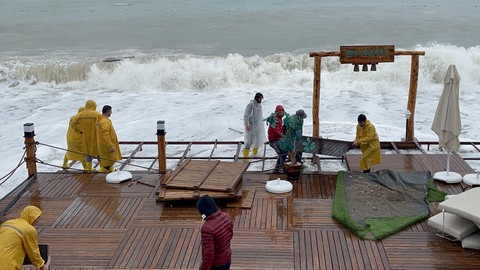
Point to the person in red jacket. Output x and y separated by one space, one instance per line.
275 132
217 232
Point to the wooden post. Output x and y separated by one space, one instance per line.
316 96
366 59
30 146
412 98
162 154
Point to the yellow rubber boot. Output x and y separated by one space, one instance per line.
112 169
255 151
103 170
246 152
88 166
65 163
84 165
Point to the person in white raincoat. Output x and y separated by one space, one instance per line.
254 129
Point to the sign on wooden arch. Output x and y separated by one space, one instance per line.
366 54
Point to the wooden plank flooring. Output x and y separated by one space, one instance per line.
337 249
414 162
90 224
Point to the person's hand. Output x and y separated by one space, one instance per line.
248 127
112 149
355 143
44 267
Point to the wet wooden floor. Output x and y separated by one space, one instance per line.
414 162
90 224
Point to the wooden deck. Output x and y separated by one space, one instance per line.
414 162
90 224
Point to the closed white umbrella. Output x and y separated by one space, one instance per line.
447 124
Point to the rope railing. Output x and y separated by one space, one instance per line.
39 161
127 163
132 157
66 150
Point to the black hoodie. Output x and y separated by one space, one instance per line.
206 206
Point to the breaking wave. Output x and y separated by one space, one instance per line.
183 71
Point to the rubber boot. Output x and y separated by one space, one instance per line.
88 166
245 152
255 151
112 169
84 165
103 170
65 163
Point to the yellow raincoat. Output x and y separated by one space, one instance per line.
85 123
107 138
74 140
367 138
18 238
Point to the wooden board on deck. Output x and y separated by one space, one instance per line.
195 178
176 194
207 175
414 162
321 146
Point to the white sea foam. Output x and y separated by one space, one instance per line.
203 97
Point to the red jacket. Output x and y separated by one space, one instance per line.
217 232
275 133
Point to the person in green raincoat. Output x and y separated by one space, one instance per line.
74 144
369 143
108 146
18 238
85 124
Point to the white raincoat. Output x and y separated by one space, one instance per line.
256 136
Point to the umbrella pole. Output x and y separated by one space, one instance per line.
447 176
448 162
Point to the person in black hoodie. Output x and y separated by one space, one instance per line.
217 233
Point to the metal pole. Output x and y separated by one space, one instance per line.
406 129
448 162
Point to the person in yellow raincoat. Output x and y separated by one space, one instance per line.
85 124
18 238
369 143
74 144
108 146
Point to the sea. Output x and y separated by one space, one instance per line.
196 64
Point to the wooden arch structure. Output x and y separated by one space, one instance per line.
367 55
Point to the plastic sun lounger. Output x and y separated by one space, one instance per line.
460 218
465 205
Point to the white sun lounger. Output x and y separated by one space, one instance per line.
460 218
465 204
453 225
